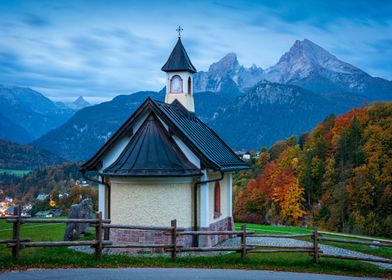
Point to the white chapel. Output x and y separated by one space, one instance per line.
164 163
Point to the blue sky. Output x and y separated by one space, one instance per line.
100 49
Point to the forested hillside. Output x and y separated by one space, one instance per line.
337 176
59 182
61 177
19 156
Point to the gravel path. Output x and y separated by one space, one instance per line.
271 241
294 242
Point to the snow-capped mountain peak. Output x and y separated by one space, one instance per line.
226 65
227 70
80 103
305 59
77 104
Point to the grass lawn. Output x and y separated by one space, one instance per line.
267 229
15 172
64 257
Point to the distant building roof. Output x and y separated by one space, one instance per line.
203 141
42 213
179 60
54 212
10 210
152 152
42 196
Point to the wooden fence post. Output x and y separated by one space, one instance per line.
243 242
98 236
174 240
315 236
16 232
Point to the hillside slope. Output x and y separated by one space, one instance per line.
12 132
82 135
338 176
272 111
31 110
18 156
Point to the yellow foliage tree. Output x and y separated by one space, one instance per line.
289 196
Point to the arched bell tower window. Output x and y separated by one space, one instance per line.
189 85
176 84
217 200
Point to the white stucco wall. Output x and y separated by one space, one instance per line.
101 200
203 202
151 203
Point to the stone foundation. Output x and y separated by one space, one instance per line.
212 240
156 237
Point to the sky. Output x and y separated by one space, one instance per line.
100 49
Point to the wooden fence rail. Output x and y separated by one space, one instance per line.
58 221
102 226
374 243
355 236
16 243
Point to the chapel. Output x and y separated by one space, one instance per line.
164 163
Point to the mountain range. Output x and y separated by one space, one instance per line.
310 66
27 114
248 107
306 65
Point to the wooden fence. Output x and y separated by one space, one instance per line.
101 225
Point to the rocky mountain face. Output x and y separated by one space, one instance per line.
227 70
32 111
78 104
272 111
306 65
312 67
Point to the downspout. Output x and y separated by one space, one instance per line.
102 183
195 240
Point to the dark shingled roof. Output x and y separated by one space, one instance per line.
204 138
179 60
200 139
152 152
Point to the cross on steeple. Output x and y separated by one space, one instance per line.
179 30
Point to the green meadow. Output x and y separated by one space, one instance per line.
65 257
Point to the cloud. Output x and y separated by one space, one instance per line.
100 49
36 20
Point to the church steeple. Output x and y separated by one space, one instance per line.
179 70
179 60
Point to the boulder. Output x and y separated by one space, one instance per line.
83 210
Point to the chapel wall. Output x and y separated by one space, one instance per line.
151 204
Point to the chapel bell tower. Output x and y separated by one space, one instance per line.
179 82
